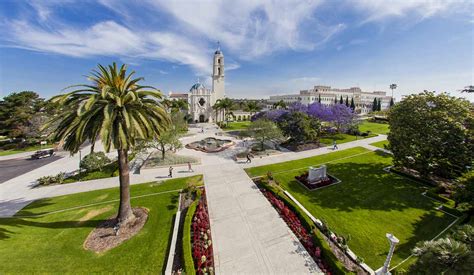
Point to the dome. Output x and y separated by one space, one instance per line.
197 86
218 52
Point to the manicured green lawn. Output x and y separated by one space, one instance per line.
26 149
380 144
237 125
367 203
376 128
341 138
53 243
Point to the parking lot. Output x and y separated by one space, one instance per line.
15 167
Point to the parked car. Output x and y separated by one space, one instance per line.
43 154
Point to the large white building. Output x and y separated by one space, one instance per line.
362 100
200 98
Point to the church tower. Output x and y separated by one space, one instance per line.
218 86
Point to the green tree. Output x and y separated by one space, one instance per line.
95 161
443 256
17 111
319 98
379 105
335 100
374 105
280 104
252 107
341 101
225 105
300 127
217 108
263 130
347 101
463 193
116 108
168 141
432 134
391 102
353 106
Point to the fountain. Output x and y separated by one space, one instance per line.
210 145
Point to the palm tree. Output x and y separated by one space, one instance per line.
119 111
226 104
393 87
468 89
252 107
443 256
217 107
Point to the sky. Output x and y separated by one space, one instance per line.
270 47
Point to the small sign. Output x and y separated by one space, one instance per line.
43 142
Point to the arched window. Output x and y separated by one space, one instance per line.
218 70
218 61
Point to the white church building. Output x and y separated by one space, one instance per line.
201 99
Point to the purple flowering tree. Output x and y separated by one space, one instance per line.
298 107
319 111
342 117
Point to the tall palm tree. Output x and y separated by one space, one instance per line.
252 107
119 111
393 87
217 107
226 104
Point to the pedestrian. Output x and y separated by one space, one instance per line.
334 145
202 130
190 169
249 160
171 172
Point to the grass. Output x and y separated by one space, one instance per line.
53 243
342 138
23 150
380 144
187 249
367 203
155 160
237 125
109 170
376 128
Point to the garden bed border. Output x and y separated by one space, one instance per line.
319 223
319 188
172 252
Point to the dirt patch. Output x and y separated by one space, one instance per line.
94 213
103 237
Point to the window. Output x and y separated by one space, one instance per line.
218 70
219 61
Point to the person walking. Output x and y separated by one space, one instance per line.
171 172
249 160
190 169
334 145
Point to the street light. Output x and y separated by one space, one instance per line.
80 165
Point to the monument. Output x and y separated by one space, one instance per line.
316 174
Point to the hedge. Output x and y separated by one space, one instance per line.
187 248
327 254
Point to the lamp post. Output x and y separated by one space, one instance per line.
79 165
393 242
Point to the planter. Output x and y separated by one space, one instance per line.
329 180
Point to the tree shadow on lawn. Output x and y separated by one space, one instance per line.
363 186
425 228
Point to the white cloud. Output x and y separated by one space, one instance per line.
251 28
378 10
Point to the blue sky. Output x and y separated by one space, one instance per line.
270 47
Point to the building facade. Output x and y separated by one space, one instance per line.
201 99
329 96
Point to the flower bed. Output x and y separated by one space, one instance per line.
298 229
303 179
201 239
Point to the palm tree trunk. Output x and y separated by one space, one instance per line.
125 213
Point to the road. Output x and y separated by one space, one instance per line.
12 168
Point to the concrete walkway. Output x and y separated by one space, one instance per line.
248 234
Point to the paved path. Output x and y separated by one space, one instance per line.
248 235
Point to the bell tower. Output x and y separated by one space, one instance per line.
218 86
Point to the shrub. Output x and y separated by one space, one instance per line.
95 161
187 249
56 179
